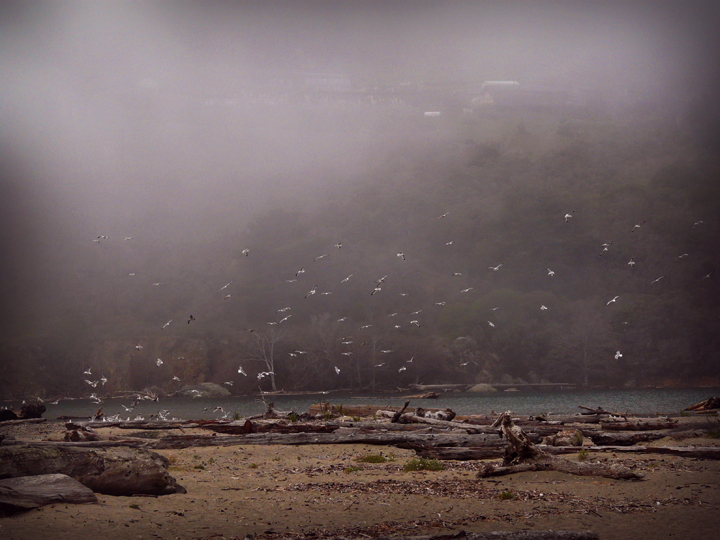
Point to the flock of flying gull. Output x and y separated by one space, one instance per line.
377 287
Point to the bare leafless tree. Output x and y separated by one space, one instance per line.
262 349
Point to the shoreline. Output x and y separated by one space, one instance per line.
511 388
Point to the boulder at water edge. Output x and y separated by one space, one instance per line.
206 389
482 388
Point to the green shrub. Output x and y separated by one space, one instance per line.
353 469
372 458
583 454
506 495
422 464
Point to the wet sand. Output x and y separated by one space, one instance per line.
320 491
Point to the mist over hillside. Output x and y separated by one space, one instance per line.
144 148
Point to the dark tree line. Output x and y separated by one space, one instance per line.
450 260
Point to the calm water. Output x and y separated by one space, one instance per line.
646 401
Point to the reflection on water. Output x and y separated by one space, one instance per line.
646 401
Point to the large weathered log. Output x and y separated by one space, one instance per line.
126 442
624 438
521 455
26 492
367 427
159 424
346 436
483 452
551 463
490 451
240 427
699 452
504 535
710 404
468 428
640 424
116 471
23 421
596 410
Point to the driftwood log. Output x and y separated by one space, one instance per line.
710 404
396 417
624 438
698 452
27 492
522 455
22 421
113 471
647 424
484 452
504 535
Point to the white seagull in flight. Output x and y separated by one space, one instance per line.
495 268
611 301
311 291
166 324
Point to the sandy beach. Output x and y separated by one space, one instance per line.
320 491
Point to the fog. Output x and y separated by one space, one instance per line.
169 123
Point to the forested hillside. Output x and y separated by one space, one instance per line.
499 246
